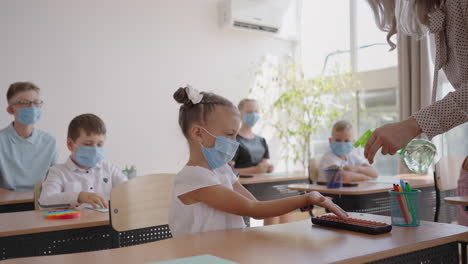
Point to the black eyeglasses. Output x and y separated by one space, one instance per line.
27 103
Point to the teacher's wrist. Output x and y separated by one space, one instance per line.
413 126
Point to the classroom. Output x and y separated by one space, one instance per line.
233 131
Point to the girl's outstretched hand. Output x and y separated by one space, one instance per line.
317 199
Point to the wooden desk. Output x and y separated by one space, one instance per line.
16 201
298 242
372 197
31 222
416 182
25 234
274 177
271 186
458 200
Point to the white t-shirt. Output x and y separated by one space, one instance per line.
330 159
199 217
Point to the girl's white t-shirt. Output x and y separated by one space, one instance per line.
199 217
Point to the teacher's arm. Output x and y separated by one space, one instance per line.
444 114
433 120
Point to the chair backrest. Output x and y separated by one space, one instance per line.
37 194
141 202
448 172
314 168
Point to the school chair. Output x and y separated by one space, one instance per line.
37 194
314 168
314 164
446 174
139 209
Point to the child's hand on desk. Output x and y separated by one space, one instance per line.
349 168
262 167
93 199
270 168
317 199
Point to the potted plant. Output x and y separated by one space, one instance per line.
298 107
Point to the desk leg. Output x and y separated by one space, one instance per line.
464 255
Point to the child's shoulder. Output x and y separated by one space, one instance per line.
108 166
6 131
357 159
193 171
201 174
44 136
328 155
59 169
329 159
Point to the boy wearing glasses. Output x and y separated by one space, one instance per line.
26 153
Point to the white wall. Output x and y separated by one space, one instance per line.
122 60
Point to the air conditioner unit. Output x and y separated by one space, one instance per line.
257 15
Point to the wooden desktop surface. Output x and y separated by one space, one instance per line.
458 200
10 197
274 177
416 181
30 222
297 242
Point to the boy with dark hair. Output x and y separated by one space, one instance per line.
85 178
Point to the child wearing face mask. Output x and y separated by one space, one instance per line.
26 153
252 156
85 179
207 196
355 167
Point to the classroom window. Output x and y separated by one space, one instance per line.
327 44
371 42
324 34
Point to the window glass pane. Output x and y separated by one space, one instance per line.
376 108
325 30
372 109
373 52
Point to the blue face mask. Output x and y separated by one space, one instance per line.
29 116
341 148
89 156
222 152
250 119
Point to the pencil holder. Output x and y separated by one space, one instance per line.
334 178
405 207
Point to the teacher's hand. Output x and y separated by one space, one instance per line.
391 138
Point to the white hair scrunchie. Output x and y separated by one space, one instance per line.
193 94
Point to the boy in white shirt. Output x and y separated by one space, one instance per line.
355 168
85 178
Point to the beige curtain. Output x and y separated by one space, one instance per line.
414 77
